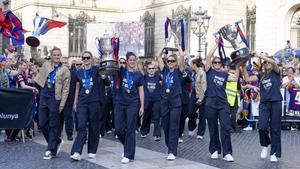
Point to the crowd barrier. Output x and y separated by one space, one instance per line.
290 105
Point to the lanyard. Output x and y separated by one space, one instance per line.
52 75
129 78
169 78
88 79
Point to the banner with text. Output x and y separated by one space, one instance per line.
16 107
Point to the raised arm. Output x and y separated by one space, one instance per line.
36 57
181 64
209 58
160 60
272 61
234 77
248 78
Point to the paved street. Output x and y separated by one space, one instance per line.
150 154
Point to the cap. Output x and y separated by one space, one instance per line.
2 58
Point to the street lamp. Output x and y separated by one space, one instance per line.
200 28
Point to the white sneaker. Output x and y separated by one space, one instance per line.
60 146
180 140
48 155
76 157
199 137
191 133
248 128
125 160
92 155
156 138
228 158
273 158
214 155
264 153
171 157
143 135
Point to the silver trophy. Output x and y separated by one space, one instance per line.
172 40
241 53
108 62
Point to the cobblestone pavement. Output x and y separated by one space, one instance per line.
192 153
246 150
17 155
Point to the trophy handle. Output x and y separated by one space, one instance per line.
97 42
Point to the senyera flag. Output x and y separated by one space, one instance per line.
11 28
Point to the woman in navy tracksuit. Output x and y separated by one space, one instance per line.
87 105
152 90
171 99
185 100
217 107
128 97
269 108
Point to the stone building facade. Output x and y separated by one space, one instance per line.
268 23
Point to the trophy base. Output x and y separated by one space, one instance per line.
109 67
32 41
171 49
239 56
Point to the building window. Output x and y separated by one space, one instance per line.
77 39
295 28
77 34
149 21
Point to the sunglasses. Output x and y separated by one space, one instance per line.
86 58
122 62
216 62
79 64
171 61
151 68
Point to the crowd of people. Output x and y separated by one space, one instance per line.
165 91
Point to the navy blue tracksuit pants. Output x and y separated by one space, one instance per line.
151 113
270 119
184 114
125 125
49 119
192 123
67 117
216 109
170 112
88 117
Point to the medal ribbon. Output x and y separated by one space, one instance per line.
167 24
222 53
99 48
88 78
52 75
240 32
168 80
129 80
182 34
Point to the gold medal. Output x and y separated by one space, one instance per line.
49 85
167 90
87 91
